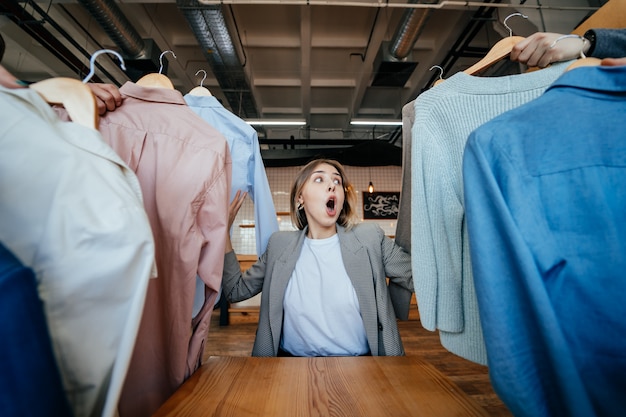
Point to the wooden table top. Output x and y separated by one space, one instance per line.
380 386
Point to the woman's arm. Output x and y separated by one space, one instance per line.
396 263
238 286
235 285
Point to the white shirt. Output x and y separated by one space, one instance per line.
71 210
321 309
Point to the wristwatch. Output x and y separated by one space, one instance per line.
590 35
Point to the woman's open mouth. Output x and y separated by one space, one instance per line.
331 206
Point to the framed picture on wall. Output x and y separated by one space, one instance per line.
380 205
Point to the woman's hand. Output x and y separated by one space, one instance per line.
233 209
108 97
537 51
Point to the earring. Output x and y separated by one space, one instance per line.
299 206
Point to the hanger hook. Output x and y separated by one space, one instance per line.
92 62
203 78
510 16
440 70
560 38
161 59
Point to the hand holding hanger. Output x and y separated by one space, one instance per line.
544 48
75 96
108 97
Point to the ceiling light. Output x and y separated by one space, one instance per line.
281 122
383 122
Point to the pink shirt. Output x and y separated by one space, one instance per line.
184 168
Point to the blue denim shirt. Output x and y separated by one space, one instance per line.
545 199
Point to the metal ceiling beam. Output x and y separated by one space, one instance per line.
36 29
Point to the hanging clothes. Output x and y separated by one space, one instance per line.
546 211
248 169
72 211
403 226
29 368
184 168
402 305
444 117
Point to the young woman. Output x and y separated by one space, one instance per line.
324 288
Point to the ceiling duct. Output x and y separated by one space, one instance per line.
211 31
393 66
115 24
140 56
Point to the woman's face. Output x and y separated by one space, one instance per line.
322 197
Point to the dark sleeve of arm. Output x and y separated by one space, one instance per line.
610 43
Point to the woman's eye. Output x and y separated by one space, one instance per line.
318 179
337 182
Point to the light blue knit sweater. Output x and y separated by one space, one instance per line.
445 115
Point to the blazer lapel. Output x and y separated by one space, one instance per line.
357 263
284 267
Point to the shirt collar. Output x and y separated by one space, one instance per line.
202 101
154 94
609 79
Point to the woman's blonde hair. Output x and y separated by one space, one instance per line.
347 217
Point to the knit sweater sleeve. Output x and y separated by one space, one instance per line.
436 221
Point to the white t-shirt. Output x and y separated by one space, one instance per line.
321 309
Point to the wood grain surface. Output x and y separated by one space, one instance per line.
331 386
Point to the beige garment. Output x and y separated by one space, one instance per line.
72 211
184 168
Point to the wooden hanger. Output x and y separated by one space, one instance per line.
157 80
200 90
499 51
77 99
73 95
584 62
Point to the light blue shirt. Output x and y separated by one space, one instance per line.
545 199
248 169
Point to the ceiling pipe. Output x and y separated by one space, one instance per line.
446 4
116 26
209 27
411 26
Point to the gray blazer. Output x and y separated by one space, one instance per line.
369 258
